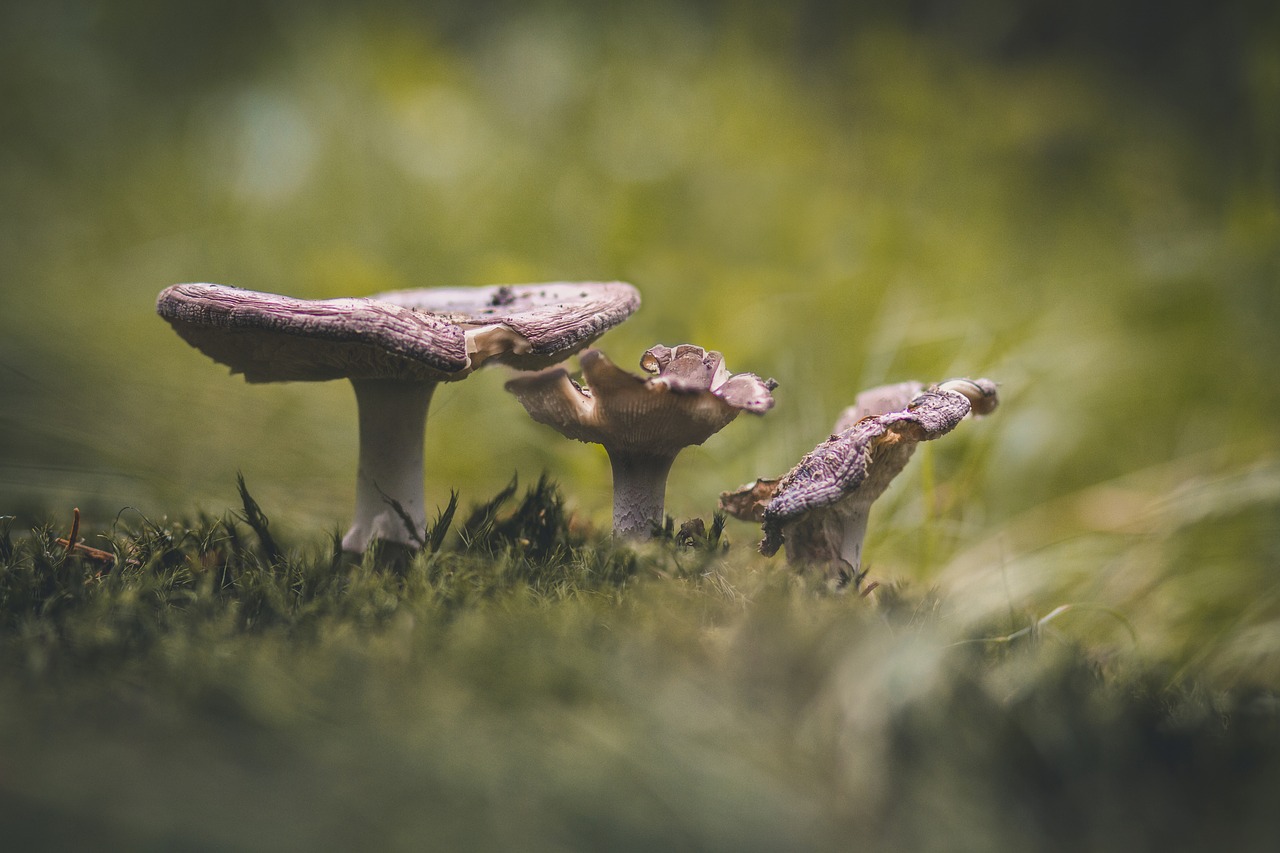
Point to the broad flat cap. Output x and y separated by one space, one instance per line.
526 326
434 334
274 338
690 398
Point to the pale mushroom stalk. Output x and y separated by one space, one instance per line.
639 491
392 416
855 531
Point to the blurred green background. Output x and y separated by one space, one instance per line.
1077 200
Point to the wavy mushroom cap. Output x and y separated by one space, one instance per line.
847 472
689 398
690 369
526 326
747 503
273 338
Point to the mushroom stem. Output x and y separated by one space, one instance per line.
392 417
639 492
831 538
855 531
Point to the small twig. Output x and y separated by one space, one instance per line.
72 546
75 530
87 551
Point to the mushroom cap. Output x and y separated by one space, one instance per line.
526 326
877 401
274 338
848 471
690 398
433 334
747 502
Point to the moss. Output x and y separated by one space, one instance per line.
530 684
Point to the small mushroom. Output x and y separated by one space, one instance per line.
820 508
395 349
643 423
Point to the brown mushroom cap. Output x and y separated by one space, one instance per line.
433 334
685 403
689 368
273 338
747 503
854 468
526 326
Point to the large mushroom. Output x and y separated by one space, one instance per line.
394 348
819 509
643 423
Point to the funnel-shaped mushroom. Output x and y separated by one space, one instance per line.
643 423
394 349
820 508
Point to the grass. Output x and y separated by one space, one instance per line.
530 685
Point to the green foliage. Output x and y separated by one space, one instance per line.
255 519
530 684
440 529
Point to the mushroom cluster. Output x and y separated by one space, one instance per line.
819 509
394 348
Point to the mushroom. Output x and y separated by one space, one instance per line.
747 502
643 423
819 509
394 348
